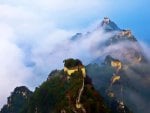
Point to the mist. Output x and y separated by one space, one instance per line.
34 38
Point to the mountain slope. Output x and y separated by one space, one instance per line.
62 92
121 45
131 86
66 95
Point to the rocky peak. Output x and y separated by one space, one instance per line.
106 20
18 98
109 25
21 90
72 63
76 36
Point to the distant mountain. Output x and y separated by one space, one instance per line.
119 43
133 77
17 101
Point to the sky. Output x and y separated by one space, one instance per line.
30 29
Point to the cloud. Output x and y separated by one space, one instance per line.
33 40
14 13
146 49
136 91
18 30
47 53
57 5
6 32
12 70
21 31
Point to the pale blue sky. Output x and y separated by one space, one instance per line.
76 14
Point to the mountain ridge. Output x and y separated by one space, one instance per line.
116 80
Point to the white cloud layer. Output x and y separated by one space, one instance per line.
12 70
